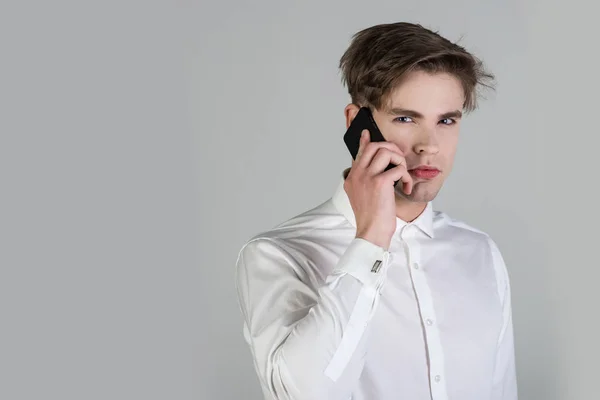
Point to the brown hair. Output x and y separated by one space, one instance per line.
379 58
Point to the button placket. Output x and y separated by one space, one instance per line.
431 332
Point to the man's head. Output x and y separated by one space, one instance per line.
417 84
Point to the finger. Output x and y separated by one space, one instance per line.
370 149
383 158
365 137
400 173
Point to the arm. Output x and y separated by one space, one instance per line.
504 379
307 343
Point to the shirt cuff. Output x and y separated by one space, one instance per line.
365 261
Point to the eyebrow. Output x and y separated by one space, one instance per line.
418 115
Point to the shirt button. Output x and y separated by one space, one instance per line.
429 322
437 378
416 265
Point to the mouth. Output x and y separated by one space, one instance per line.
424 172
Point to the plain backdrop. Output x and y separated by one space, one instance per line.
142 143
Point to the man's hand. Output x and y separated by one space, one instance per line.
371 190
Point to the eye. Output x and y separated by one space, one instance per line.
403 119
448 121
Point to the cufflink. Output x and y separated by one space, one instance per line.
376 266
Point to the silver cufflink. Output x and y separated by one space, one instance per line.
376 266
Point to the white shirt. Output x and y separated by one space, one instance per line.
331 316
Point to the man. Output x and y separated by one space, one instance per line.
372 295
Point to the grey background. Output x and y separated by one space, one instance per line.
141 143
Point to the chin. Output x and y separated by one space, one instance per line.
419 194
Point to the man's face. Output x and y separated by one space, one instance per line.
423 118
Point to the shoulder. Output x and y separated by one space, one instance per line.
312 224
456 228
298 238
461 232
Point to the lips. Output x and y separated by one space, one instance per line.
425 172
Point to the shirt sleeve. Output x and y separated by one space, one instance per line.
504 379
306 342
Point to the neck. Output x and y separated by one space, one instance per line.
407 210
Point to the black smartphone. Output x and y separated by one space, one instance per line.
363 120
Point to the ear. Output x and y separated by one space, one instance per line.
350 112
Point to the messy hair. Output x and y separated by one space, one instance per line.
379 57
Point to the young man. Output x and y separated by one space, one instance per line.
372 295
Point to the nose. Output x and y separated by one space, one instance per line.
426 143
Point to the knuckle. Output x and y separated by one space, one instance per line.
373 146
385 151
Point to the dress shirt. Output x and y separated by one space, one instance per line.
331 316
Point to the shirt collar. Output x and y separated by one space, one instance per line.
341 201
